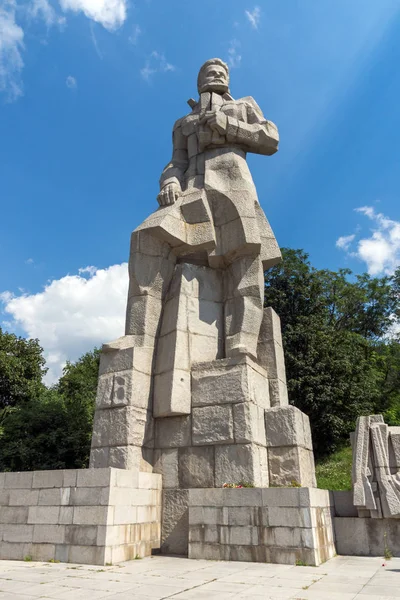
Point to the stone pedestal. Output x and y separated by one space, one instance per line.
261 525
91 516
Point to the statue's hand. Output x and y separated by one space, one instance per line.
217 121
169 194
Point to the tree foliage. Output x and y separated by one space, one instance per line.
21 370
339 364
53 430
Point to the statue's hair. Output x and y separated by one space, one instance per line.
212 61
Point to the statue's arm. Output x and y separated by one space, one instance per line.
172 177
258 134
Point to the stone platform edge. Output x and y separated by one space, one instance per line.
274 525
89 516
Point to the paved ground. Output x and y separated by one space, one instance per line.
342 578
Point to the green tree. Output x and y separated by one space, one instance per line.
333 332
52 430
21 371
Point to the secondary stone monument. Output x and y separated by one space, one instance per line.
196 388
371 524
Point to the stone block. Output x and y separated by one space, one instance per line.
17 533
23 497
196 467
47 479
172 393
278 392
242 497
243 515
15 550
124 426
166 464
287 426
92 515
42 552
87 555
124 388
149 481
247 553
125 515
70 477
343 504
14 514
172 352
49 534
81 535
43 515
5 496
206 497
291 465
285 497
54 497
205 551
241 462
94 477
90 496
173 432
175 527
212 425
126 354
66 515
2 479
249 423
18 480
131 479
229 381
279 516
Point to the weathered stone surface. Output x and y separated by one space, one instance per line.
367 537
376 476
241 462
212 424
196 467
249 423
229 381
287 426
166 463
175 524
291 465
173 432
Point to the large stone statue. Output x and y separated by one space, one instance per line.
196 388
209 214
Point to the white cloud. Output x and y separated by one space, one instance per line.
381 250
110 13
136 32
254 16
71 82
234 58
43 9
11 45
29 261
72 314
344 241
156 63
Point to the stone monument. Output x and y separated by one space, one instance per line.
194 395
376 468
196 388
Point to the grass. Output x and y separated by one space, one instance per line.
334 472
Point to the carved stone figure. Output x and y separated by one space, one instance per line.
376 468
196 388
209 213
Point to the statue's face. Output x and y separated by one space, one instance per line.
214 79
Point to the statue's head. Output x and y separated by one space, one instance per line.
213 77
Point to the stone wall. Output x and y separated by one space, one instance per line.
92 516
356 536
276 525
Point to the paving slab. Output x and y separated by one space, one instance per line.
162 577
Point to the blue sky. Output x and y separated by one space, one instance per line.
89 91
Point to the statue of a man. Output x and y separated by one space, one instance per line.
209 214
